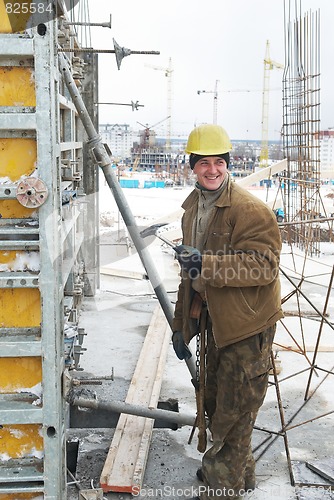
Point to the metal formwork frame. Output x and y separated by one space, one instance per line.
51 252
54 231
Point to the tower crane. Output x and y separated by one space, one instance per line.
147 139
269 65
145 135
215 100
168 73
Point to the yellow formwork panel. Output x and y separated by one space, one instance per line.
11 209
17 157
8 257
12 20
20 374
21 496
21 441
20 308
17 86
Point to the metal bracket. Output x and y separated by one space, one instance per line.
119 51
134 105
8 191
102 25
96 494
30 192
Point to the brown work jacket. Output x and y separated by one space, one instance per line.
240 267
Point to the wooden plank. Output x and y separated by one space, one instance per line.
263 173
124 467
123 273
146 438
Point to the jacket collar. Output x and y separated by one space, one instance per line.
224 199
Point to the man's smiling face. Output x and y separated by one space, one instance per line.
210 171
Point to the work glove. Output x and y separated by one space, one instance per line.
180 347
190 260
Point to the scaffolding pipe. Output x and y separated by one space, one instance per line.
102 158
131 409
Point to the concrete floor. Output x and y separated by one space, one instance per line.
116 321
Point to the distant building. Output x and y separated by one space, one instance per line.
119 137
326 154
154 159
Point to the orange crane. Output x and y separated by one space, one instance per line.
269 65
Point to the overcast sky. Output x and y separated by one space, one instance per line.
207 41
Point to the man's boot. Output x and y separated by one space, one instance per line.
249 478
199 474
250 483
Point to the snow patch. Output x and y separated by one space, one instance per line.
27 261
70 331
16 433
37 453
5 180
36 389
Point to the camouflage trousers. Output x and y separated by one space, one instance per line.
236 385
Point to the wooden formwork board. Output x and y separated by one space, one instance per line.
124 467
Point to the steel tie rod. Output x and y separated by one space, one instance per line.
131 409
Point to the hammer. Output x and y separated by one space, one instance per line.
153 231
185 250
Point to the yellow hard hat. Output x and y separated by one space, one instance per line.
208 140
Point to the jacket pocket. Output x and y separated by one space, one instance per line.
243 372
256 369
219 242
246 304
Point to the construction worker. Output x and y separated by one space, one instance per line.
229 296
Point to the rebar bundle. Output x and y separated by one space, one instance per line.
301 125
